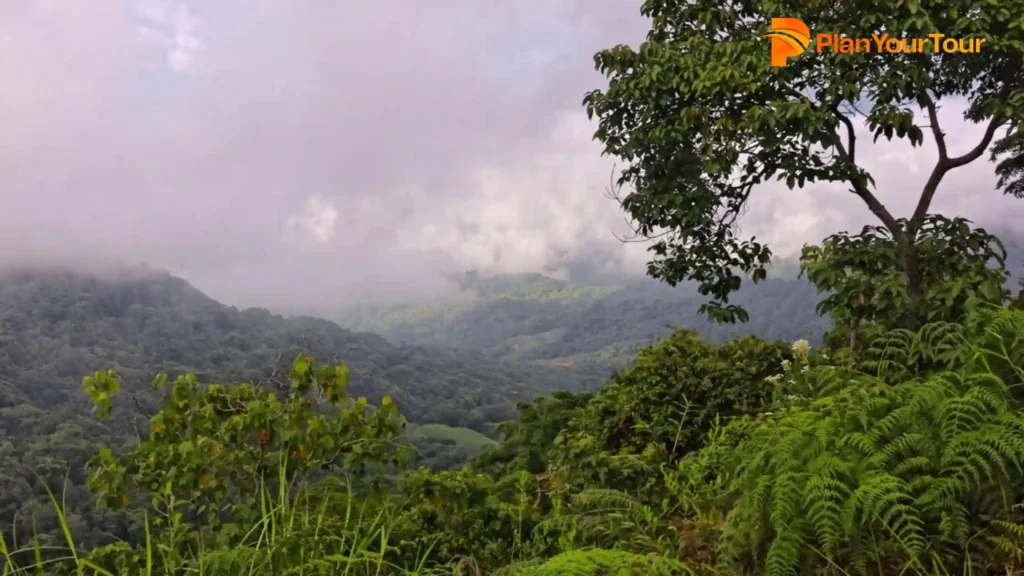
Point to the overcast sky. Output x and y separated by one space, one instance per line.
309 152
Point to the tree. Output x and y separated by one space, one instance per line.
702 118
526 441
867 292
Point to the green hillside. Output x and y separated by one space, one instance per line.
592 330
54 327
57 326
443 447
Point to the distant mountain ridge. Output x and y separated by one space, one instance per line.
57 326
593 329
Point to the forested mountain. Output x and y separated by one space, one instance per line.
57 326
519 338
593 329
511 338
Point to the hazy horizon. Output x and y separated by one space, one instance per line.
276 154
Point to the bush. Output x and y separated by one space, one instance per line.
663 408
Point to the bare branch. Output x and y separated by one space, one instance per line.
272 379
614 190
994 124
859 182
851 136
857 110
945 164
639 238
933 120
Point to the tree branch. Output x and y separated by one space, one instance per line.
945 164
933 120
994 124
859 182
851 137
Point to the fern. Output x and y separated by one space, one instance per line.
614 519
918 463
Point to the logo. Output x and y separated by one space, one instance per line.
790 37
885 44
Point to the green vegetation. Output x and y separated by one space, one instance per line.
904 456
464 437
589 331
442 447
895 452
57 326
894 447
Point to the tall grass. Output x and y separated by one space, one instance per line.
325 528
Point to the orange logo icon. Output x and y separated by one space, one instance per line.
790 37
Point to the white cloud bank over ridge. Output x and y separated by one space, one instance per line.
275 152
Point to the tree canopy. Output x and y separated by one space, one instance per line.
702 118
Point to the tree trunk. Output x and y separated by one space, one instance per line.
912 267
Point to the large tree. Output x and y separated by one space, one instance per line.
701 118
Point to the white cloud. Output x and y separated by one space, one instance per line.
317 220
172 25
540 206
333 166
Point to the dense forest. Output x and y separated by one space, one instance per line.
56 326
595 329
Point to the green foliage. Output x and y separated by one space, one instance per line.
701 119
866 284
56 326
908 458
322 529
599 561
441 447
526 441
610 519
1011 166
663 407
214 452
849 470
471 439
477 518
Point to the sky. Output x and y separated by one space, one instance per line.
317 154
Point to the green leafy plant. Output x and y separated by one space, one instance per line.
855 473
662 408
865 285
217 457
